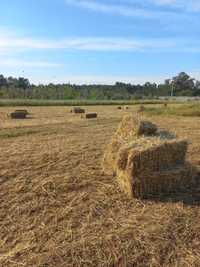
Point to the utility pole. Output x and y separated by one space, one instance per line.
172 89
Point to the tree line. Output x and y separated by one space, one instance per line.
21 88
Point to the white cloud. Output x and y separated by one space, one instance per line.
95 44
16 43
128 9
115 9
195 74
106 79
134 8
188 5
12 44
95 79
28 64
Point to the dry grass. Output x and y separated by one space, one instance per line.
58 209
190 110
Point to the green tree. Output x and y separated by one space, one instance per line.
24 84
183 82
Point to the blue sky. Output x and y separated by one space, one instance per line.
99 41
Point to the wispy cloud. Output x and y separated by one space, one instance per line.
187 5
115 9
96 79
28 64
37 78
136 8
16 44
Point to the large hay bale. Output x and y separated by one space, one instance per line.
152 154
22 111
145 185
145 160
78 110
129 129
91 115
132 127
147 167
19 114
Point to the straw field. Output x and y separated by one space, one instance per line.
58 208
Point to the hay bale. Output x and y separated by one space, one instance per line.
119 107
19 114
132 127
78 110
157 183
126 108
141 108
22 111
154 155
144 155
165 105
91 115
129 129
145 160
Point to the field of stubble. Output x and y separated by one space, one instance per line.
57 208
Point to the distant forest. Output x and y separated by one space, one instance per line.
20 88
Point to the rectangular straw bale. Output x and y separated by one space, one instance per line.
91 115
22 111
128 131
132 127
146 161
156 158
167 181
18 115
78 110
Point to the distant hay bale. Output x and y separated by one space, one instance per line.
78 110
141 108
165 105
91 115
126 107
145 160
22 111
119 107
19 114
